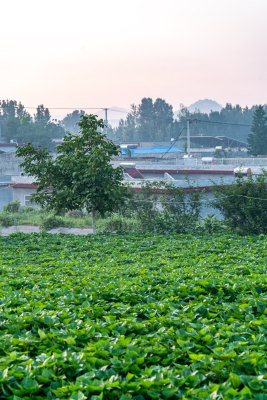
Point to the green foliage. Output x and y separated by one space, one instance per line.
33 216
19 125
175 210
7 219
71 121
229 113
133 317
244 204
148 122
12 207
42 115
76 214
211 224
154 122
257 139
118 223
52 222
81 175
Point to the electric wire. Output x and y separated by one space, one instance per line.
173 143
195 201
218 122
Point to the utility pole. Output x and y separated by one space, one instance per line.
188 138
106 121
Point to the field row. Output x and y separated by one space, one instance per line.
133 317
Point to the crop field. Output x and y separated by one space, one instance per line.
133 317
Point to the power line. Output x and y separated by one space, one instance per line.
68 108
218 122
78 108
120 111
173 143
197 201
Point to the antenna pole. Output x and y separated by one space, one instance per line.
188 138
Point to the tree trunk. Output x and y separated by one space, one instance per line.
94 221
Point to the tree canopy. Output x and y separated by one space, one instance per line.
257 139
81 175
71 121
21 126
154 121
150 121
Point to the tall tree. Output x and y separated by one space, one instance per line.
81 175
257 139
71 121
19 125
127 130
15 117
163 119
146 119
42 115
147 122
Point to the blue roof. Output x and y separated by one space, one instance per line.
155 150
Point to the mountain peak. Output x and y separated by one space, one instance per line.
204 106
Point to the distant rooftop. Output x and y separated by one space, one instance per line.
156 150
212 141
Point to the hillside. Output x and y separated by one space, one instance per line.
205 106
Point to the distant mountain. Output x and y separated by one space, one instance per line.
205 106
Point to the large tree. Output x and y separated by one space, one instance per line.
19 124
257 139
71 121
149 121
81 174
42 115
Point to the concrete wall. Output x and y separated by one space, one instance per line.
9 164
6 196
20 193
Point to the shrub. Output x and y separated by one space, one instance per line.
117 223
6 219
28 210
12 207
52 222
175 211
210 224
244 204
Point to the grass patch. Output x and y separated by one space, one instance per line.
32 216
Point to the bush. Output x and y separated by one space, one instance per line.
211 224
12 207
7 220
177 210
52 222
244 204
117 223
28 210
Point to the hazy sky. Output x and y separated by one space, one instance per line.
63 53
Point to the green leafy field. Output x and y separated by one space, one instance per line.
133 317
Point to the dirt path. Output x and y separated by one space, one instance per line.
35 229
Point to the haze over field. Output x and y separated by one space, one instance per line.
103 54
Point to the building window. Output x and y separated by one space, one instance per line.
27 202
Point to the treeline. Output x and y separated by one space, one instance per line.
17 124
154 121
151 121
